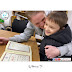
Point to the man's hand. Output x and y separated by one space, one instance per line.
3 40
51 51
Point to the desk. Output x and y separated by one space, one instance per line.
31 42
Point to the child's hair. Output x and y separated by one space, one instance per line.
29 14
59 17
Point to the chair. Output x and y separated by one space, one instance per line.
17 25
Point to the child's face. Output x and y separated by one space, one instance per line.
51 27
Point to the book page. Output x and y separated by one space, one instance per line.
15 57
17 46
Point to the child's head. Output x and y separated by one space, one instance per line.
55 21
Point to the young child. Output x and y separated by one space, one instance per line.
57 32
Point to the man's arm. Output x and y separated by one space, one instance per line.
52 51
4 40
28 32
59 51
66 49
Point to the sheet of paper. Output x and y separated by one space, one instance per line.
15 57
18 47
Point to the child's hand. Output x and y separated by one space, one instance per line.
51 51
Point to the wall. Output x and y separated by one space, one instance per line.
70 19
8 21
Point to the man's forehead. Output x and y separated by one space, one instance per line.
37 18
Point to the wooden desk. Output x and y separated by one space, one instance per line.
31 42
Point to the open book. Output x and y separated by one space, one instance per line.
17 52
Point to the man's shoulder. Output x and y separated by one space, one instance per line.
30 24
